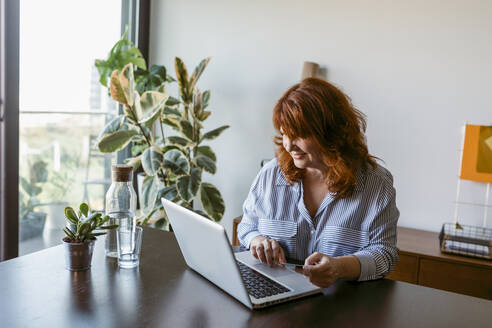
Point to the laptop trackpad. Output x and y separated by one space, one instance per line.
275 272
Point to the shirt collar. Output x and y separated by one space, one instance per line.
282 181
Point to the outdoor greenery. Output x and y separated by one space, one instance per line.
82 226
173 164
64 184
61 182
31 188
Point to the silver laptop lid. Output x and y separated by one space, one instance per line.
206 249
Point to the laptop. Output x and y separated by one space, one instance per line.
206 250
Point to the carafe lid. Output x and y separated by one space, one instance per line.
121 172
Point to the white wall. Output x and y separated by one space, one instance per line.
417 69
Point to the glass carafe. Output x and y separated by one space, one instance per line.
121 204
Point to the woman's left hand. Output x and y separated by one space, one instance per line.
322 270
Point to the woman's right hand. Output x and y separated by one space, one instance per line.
267 250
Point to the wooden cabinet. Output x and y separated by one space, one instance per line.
422 263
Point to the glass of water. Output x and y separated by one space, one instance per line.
129 241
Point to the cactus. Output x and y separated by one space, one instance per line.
83 225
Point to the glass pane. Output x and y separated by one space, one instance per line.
63 108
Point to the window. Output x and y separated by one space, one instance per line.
62 109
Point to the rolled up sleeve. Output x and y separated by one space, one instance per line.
380 256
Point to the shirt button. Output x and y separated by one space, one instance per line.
312 231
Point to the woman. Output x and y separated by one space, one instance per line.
323 200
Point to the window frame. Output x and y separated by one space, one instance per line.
135 13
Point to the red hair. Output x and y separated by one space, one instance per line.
317 110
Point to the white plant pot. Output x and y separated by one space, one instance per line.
55 220
56 215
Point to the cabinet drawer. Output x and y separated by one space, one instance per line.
458 278
405 269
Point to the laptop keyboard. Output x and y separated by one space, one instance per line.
259 285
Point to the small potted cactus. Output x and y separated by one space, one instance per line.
81 232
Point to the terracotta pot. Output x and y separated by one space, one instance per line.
78 256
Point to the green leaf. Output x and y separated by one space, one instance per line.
162 88
112 126
104 70
150 187
38 172
116 89
188 185
151 80
168 147
35 190
127 83
93 217
95 234
151 102
137 107
115 141
138 148
204 115
202 213
150 122
152 159
25 185
172 122
84 209
122 53
197 102
135 162
211 200
110 227
186 129
205 99
83 229
130 114
180 141
205 163
171 101
197 72
171 111
182 76
71 215
207 151
170 192
214 133
176 162
145 221
69 233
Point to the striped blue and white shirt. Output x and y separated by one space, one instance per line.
363 225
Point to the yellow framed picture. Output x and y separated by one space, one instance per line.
476 164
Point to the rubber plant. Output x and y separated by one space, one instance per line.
173 164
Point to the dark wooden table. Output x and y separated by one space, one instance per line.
37 291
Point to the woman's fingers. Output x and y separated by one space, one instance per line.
267 250
267 246
253 251
313 258
278 253
260 251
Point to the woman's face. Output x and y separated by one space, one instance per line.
304 152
